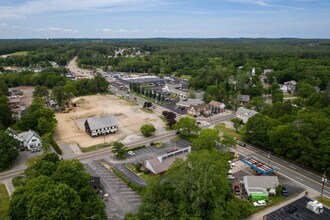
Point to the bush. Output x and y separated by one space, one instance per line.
137 148
55 146
138 167
19 181
147 130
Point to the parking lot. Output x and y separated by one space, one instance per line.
122 199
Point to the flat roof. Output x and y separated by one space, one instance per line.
297 211
258 165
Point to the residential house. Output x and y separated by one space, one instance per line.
288 87
161 164
217 107
201 109
101 125
245 114
31 140
243 99
28 139
260 184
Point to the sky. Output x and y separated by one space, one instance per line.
164 18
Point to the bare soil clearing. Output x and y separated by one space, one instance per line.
70 128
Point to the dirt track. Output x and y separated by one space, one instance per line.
130 119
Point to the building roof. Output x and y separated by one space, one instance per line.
102 122
246 112
243 98
12 131
200 107
217 104
189 102
267 182
27 135
297 211
162 163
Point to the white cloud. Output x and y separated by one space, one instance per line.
109 30
33 7
57 29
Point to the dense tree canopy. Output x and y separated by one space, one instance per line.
8 150
56 189
194 189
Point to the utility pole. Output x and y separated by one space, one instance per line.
324 180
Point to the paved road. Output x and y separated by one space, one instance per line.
295 173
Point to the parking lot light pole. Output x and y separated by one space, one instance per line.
324 180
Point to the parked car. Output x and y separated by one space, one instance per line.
131 153
237 189
198 122
259 203
241 144
230 177
272 192
284 192
230 172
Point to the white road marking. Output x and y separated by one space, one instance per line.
299 178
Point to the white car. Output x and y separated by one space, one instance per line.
259 203
230 177
230 172
131 153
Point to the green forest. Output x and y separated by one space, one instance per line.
297 129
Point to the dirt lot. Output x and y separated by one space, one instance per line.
130 118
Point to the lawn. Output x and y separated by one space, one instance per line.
222 128
20 53
32 160
273 200
323 200
142 175
4 203
95 147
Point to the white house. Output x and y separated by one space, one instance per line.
168 88
289 86
31 140
245 114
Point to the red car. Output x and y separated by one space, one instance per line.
237 189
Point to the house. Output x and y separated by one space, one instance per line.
217 107
31 140
243 99
200 109
288 87
184 104
260 184
245 114
28 139
161 164
101 125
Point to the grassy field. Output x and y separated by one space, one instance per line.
4 203
21 53
222 128
32 160
324 200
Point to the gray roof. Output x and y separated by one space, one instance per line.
267 182
27 135
247 112
244 98
189 102
102 122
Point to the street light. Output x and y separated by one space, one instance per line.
268 159
324 180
